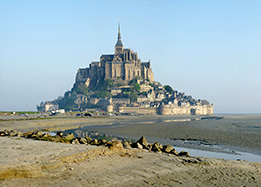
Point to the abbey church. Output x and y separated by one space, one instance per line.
120 82
123 65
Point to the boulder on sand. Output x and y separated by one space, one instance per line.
167 148
82 140
12 133
174 152
184 153
94 142
114 145
126 145
75 141
142 141
20 134
136 145
88 139
156 147
69 136
102 142
59 133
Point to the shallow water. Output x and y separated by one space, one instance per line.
210 154
240 134
210 151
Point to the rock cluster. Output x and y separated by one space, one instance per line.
156 147
11 133
69 138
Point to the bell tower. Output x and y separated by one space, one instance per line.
119 46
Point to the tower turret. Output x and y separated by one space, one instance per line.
119 46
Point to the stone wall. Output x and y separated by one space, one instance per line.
143 110
170 110
186 110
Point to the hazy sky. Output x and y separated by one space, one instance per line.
205 48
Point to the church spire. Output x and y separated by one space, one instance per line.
119 31
119 46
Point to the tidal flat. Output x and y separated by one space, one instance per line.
232 132
38 163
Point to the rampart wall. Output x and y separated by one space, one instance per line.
171 110
143 110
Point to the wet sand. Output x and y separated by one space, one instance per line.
239 132
28 162
242 133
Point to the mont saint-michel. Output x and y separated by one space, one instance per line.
121 82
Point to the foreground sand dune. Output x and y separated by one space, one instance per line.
26 162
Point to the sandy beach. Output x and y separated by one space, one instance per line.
27 162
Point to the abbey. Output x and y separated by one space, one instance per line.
120 82
123 65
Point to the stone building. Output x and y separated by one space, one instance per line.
47 107
123 65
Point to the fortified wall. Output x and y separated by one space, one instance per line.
170 110
142 110
186 110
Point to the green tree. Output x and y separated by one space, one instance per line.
133 81
133 97
86 92
103 94
168 88
108 83
137 87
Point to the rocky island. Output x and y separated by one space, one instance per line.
121 82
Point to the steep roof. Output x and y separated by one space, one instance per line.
119 43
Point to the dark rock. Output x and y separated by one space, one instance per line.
59 133
174 152
45 135
28 134
115 145
94 142
38 134
142 141
12 133
184 153
136 145
102 142
88 139
69 136
6 132
149 147
82 140
20 134
126 145
75 141
167 148
2 133
156 147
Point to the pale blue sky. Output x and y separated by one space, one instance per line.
207 49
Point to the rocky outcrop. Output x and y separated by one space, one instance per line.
137 145
184 153
11 133
114 144
142 141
